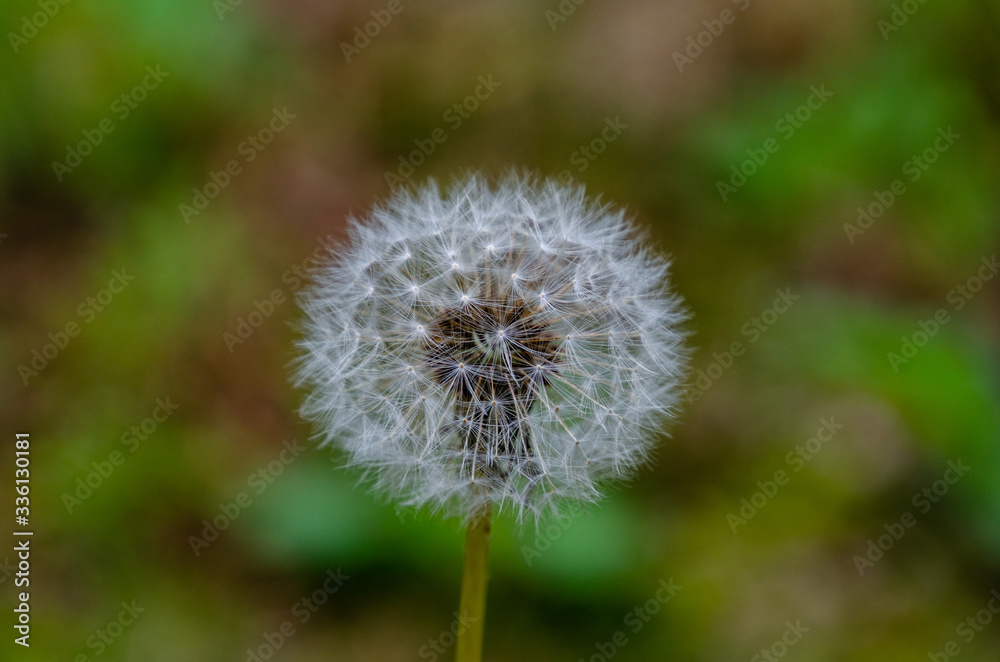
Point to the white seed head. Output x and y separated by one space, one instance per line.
542 367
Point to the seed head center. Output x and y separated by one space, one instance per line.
502 341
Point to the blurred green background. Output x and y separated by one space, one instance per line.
118 122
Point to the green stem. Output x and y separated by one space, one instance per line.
472 609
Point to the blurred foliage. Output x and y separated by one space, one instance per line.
561 591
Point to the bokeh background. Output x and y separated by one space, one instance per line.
560 76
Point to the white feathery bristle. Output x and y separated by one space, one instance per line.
513 344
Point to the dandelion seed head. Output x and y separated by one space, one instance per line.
542 368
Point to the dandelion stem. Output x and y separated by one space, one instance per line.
472 609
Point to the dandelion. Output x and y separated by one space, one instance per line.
510 346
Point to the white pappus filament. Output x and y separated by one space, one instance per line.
514 343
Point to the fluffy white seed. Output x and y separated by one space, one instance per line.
514 344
